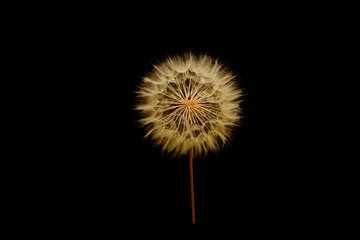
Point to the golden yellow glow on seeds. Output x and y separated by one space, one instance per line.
189 103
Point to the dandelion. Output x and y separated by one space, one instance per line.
189 104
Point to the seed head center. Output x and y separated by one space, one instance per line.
189 101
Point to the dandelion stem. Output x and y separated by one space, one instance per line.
192 187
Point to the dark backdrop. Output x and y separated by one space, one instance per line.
94 173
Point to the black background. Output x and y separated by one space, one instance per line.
91 173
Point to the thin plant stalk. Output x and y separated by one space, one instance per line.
192 188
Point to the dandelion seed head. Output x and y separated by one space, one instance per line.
189 103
